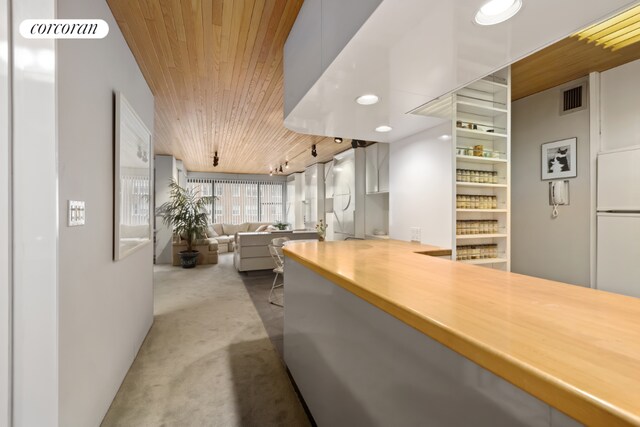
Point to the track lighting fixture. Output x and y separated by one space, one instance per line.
355 143
270 173
314 153
337 140
280 170
286 165
216 159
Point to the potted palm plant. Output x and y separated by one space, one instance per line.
280 225
185 213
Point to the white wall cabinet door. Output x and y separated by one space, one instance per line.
377 168
371 169
383 167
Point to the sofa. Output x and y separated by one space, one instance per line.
220 238
252 249
225 234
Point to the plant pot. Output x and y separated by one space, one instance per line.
189 259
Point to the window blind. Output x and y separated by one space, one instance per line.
134 209
242 200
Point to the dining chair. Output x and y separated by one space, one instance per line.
275 249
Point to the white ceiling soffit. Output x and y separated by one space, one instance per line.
410 52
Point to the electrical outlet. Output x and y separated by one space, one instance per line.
415 234
76 213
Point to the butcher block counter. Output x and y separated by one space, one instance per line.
573 348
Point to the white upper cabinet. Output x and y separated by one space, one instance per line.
377 169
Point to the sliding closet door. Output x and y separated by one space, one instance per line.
35 220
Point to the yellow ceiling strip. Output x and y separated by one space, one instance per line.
626 43
615 33
619 33
622 38
609 22
618 26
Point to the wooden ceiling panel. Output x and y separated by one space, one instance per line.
215 68
606 45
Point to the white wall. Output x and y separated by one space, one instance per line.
165 171
541 246
620 109
421 187
35 223
106 307
5 225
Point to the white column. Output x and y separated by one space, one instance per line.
35 222
165 171
5 224
299 201
594 148
360 191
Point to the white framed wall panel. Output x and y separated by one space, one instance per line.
35 222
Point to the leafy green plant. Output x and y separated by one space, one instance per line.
185 213
280 225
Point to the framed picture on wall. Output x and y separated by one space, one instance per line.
559 159
132 181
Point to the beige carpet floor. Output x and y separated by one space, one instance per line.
207 360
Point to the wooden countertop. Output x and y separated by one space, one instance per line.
575 348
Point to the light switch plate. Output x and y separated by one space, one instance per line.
416 234
76 213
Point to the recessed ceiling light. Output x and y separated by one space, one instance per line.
383 128
368 99
497 11
337 140
445 137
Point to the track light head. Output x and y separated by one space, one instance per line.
355 143
270 173
286 165
337 140
216 159
314 153
280 170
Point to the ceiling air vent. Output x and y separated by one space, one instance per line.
572 99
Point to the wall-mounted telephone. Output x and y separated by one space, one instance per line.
558 195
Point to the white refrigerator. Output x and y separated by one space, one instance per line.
618 258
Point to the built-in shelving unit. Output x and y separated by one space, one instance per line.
481 150
481 236
487 261
481 160
483 210
480 185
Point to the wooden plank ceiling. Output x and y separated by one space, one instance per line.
612 43
215 68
